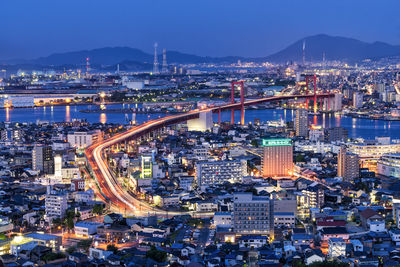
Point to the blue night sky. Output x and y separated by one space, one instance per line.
32 28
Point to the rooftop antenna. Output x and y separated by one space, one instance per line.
164 63
304 51
155 67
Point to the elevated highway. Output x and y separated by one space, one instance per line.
109 184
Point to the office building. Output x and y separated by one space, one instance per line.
389 165
55 203
219 172
42 159
277 160
348 165
337 104
147 167
335 134
357 99
202 124
251 214
83 139
370 151
301 122
58 167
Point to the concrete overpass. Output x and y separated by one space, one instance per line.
107 181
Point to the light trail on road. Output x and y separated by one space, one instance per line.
108 183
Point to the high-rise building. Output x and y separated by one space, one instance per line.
337 104
348 165
58 167
42 159
277 160
357 99
55 203
251 214
147 167
335 134
219 172
301 122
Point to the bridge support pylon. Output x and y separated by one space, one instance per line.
312 78
241 84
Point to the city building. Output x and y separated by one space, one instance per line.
370 151
58 168
203 123
47 240
78 184
218 172
357 99
335 134
42 159
389 165
55 203
147 166
301 122
251 214
86 229
83 139
277 160
348 165
19 101
284 219
314 197
337 247
222 218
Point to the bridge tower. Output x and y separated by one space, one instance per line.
241 84
312 78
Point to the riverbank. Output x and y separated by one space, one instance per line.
129 110
369 117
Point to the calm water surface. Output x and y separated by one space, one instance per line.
357 127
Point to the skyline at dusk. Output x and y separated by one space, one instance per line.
214 133
213 28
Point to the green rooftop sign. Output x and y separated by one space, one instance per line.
277 142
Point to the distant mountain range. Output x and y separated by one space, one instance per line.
333 47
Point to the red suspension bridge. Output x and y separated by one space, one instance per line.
120 197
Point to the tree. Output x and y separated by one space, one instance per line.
70 218
98 209
254 142
71 250
299 158
157 255
85 244
112 247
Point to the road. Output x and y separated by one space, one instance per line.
108 183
